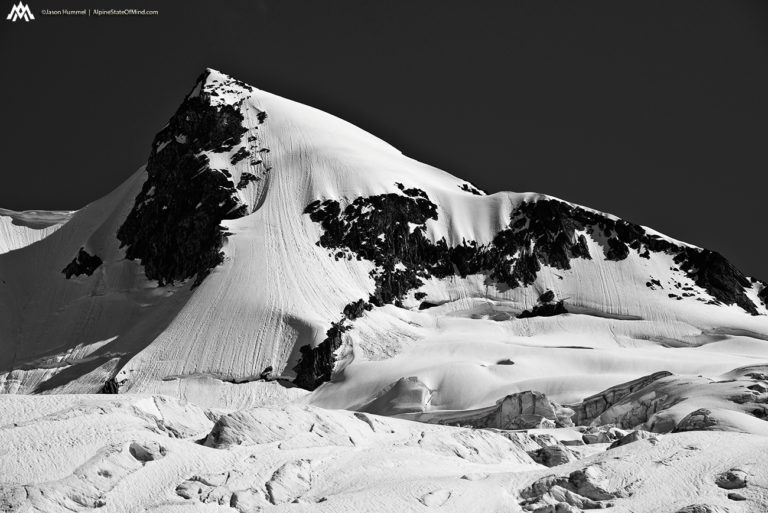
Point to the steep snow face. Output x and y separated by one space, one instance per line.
264 233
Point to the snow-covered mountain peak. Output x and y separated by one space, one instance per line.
263 233
218 88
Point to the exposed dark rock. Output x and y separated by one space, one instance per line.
245 179
732 479
239 155
355 310
542 232
712 272
735 496
315 365
389 230
83 263
545 310
505 361
378 229
261 116
111 386
426 304
266 374
763 295
174 225
652 283
471 189
617 250
547 297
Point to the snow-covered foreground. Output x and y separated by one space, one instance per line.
132 453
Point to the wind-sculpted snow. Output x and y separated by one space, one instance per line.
149 453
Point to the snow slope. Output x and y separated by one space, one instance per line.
206 334
19 229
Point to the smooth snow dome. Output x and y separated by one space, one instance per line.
278 290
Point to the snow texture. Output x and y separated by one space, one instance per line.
267 245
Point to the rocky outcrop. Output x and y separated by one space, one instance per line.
732 479
245 179
289 482
530 409
635 436
594 405
389 230
523 410
720 278
602 434
544 310
468 187
147 451
83 263
111 386
553 455
698 420
316 364
541 232
174 227
582 489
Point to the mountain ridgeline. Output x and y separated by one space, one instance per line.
389 231
207 167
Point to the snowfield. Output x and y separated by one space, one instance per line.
148 453
289 314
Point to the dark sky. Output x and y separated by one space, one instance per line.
656 111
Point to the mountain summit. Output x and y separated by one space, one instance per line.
265 238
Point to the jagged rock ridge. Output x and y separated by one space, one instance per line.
174 227
389 230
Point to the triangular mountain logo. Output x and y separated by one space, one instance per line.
20 11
